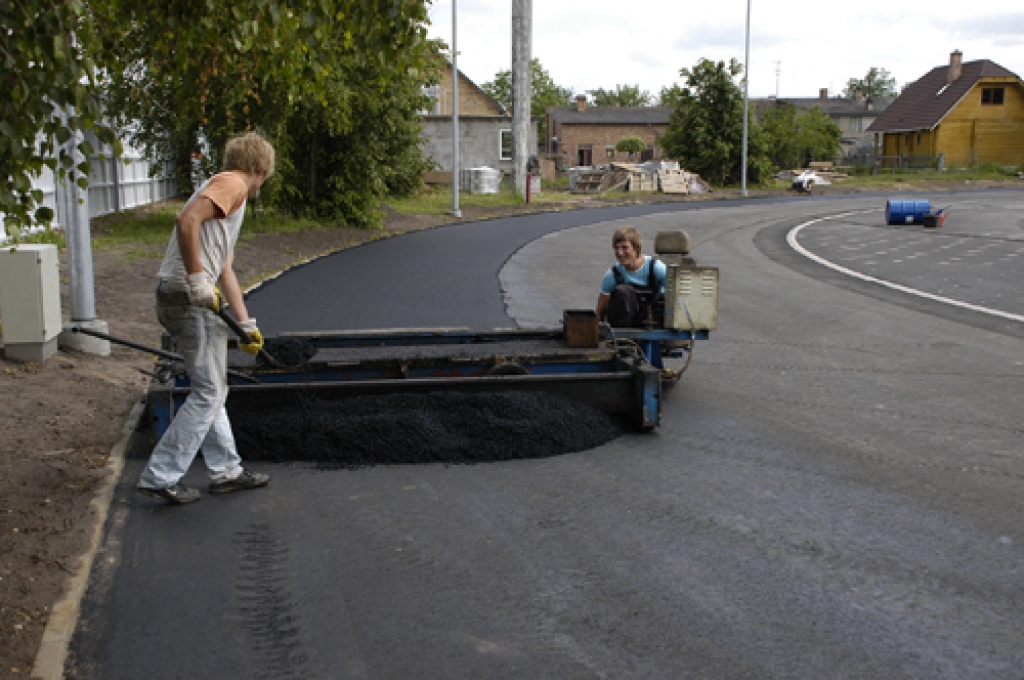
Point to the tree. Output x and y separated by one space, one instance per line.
780 131
877 85
622 95
49 98
705 131
818 135
631 145
794 137
544 92
313 75
670 96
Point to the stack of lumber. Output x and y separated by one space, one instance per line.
632 177
599 181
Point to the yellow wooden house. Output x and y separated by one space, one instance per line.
963 114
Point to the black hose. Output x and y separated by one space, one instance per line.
163 354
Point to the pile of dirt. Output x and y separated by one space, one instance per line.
436 427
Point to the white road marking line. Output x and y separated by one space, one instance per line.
791 238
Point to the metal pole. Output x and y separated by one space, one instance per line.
74 202
746 103
80 274
455 114
522 30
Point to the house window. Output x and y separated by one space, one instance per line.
919 139
506 145
609 151
856 125
992 95
434 107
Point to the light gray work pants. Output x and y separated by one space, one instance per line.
202 421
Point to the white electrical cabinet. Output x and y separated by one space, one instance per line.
691 297
30 300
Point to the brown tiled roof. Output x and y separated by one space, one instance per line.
926 102
833 106
611 115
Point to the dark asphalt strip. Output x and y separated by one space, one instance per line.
442 277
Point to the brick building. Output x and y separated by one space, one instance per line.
582 135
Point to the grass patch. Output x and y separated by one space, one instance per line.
438 201
153 225
52 236
987 171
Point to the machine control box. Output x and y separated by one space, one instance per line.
691 297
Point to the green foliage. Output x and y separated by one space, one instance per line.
876 85
780 130
438 201
49 99
705 131
336 86
145 229
544 93
670 96
818 135
631 145
990 168
622 95
794 137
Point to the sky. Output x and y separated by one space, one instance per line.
796 49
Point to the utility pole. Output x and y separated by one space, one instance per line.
73 203
522 32
456 211
746 85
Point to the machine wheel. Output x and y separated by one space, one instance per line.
507 368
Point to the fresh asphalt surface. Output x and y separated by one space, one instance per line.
835 491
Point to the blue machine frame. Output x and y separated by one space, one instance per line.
347 364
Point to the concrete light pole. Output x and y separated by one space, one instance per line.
746 85
74 204
455 115
522 32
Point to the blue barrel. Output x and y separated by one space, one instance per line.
906 212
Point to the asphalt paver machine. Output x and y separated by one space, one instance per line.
622 371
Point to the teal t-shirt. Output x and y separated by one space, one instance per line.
637 278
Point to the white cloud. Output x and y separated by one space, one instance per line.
586 44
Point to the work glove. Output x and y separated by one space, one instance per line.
202 293
254 347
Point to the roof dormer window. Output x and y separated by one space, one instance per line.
992 95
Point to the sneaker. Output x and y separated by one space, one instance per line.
246 480
179 494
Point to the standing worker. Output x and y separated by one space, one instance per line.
200 253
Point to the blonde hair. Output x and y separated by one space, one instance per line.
249 152
627 233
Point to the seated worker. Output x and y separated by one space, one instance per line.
618 302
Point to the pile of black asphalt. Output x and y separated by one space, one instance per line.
418 428
288 351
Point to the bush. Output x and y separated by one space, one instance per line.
631 145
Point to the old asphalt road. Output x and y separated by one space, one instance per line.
835 491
